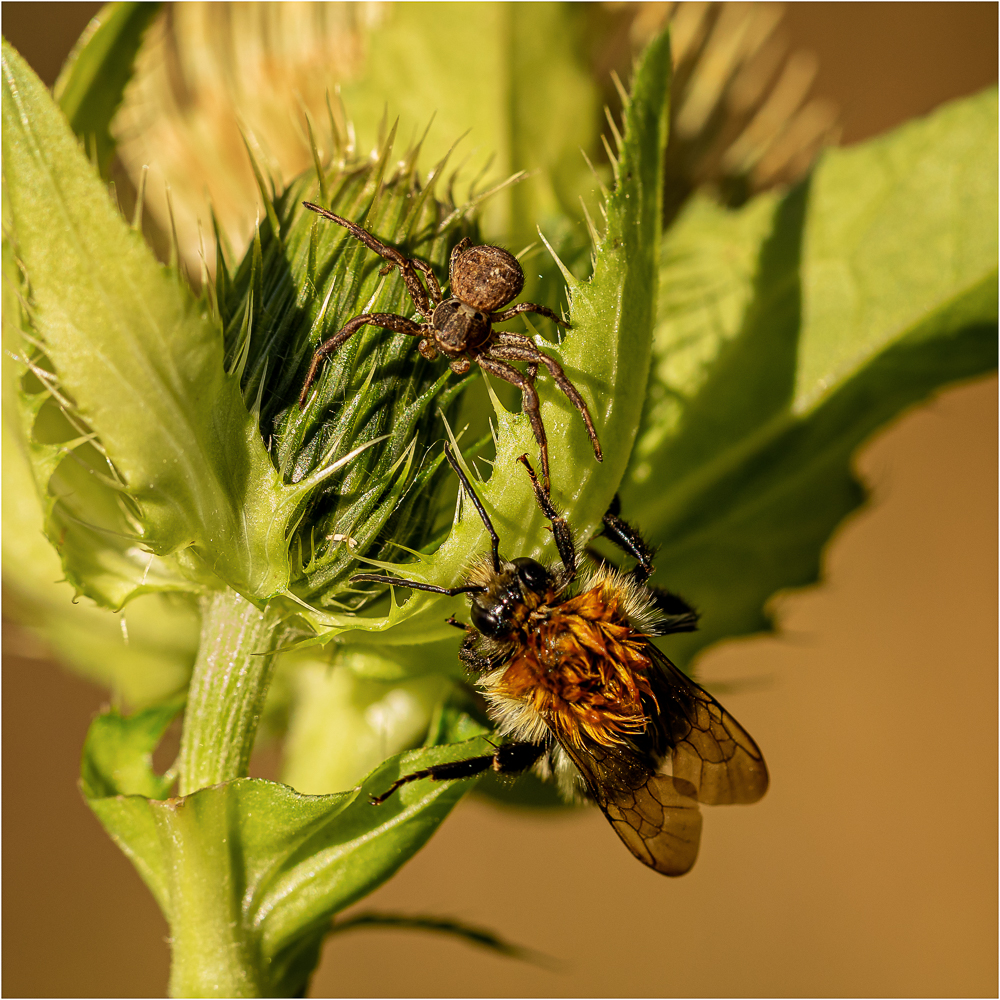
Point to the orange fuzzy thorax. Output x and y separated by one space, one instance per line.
584 670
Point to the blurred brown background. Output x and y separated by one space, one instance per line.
870 869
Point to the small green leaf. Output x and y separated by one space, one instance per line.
92 81
118 753
787 333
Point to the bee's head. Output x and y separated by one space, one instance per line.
509 596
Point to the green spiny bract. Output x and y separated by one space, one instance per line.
376 393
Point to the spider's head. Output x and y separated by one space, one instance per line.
459 327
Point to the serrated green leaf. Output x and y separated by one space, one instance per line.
93 79
139 362
249 873
897 228
143 655
787 333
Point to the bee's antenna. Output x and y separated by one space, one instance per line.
415 584
450 455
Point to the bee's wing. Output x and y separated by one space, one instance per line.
700 743
655 815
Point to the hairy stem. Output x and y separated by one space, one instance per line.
228 686
215 953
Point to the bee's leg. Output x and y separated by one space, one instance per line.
622 534
475 661
679 616
510 758
560 527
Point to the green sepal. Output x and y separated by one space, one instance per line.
142 655
791 330
250 872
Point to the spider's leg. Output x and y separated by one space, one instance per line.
407 267
528 307
507 339
432 283
388 321
505 346
529 400
459 248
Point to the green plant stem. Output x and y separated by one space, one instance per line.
213 951
228 686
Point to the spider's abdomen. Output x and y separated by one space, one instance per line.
459 328
486 278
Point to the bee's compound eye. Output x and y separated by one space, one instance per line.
489 621
533 575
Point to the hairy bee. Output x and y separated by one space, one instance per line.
577 688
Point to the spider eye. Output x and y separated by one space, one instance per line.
533 575
489 621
